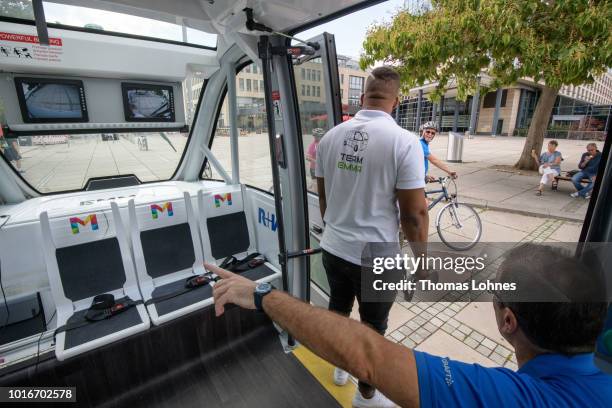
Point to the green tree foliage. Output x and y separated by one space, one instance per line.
553 42
17 9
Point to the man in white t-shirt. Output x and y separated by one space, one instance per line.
370 175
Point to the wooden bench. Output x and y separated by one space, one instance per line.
566 178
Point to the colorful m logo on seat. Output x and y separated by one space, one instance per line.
219 198
156 209
90 219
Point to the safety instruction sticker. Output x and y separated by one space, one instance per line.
25 46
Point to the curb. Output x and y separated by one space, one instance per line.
486 206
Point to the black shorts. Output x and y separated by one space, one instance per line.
344 280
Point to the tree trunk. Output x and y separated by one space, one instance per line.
537 128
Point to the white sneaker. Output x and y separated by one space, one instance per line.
340 376
574 195
377 401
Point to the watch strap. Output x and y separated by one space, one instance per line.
258 298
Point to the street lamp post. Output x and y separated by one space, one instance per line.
498 99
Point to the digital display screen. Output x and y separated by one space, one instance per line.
148 103
48 100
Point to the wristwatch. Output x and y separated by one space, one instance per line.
261 290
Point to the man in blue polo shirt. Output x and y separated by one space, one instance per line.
553 341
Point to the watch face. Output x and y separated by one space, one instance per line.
263 287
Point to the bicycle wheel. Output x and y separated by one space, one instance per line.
459 226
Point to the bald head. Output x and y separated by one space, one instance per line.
381 89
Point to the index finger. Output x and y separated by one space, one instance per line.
222 273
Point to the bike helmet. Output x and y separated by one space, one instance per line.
429 125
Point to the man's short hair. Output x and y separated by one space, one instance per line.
567 307
382 83
593 145
554 142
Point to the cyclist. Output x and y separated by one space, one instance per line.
428 132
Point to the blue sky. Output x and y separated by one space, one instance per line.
349 31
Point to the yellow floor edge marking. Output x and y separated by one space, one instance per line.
324 372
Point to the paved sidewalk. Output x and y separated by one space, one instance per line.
487 180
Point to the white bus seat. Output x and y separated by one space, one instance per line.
87 255
227 230
167 252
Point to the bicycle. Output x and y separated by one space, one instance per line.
458 224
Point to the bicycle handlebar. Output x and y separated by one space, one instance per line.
441 180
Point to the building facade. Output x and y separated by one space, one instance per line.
597 93
352 83
192 87
310 86
579 111
417 6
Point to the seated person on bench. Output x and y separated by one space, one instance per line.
589 163
549 164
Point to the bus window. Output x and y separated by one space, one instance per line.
110 21
221 147
312 102
54 163
17 9
253 145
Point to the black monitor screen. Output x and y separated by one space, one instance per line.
49 100
148 103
